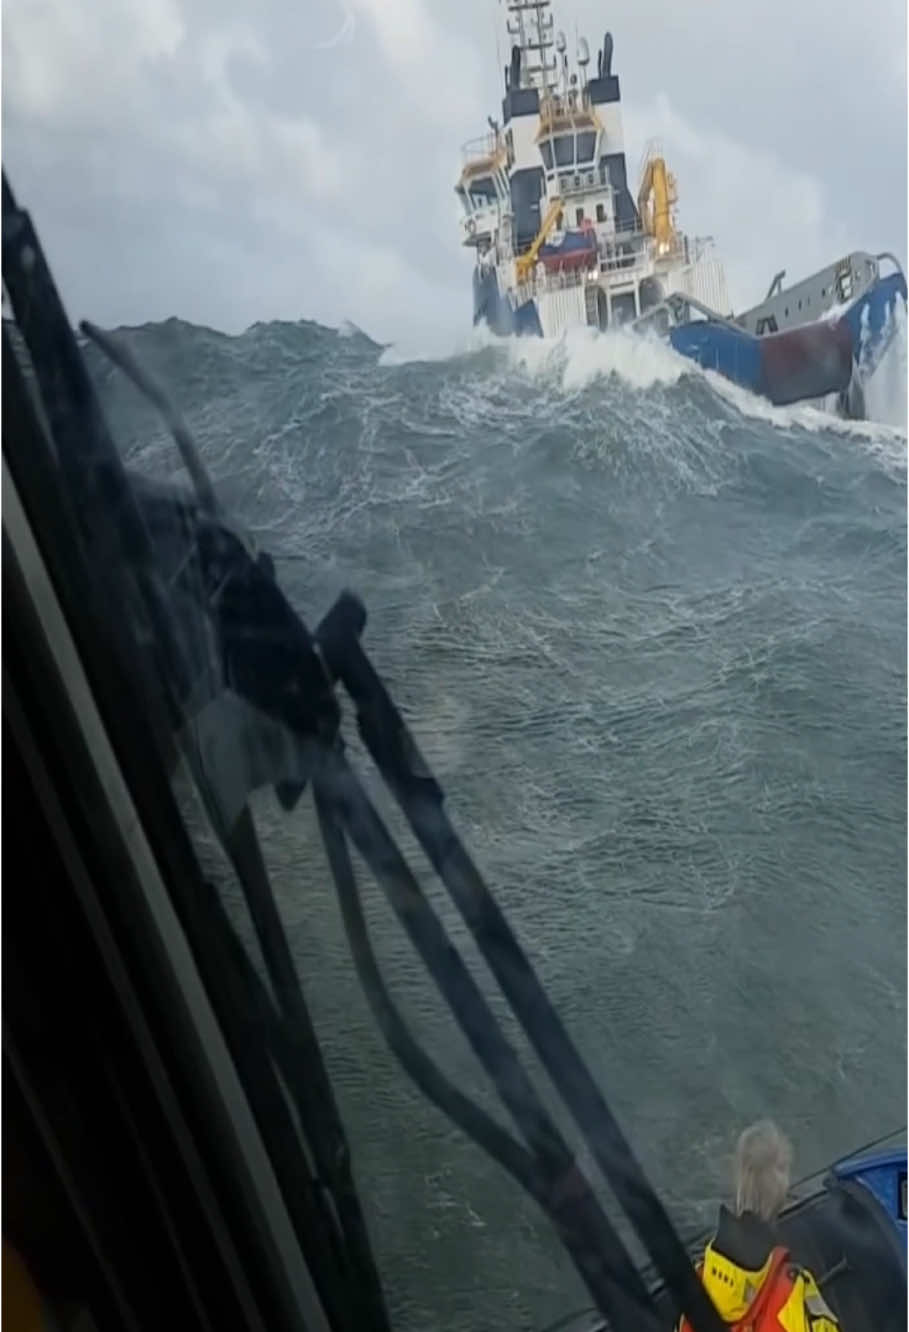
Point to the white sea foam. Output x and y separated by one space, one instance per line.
885 396
582 355
442 345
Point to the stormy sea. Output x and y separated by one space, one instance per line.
650 634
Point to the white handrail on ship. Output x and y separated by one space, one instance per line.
486 145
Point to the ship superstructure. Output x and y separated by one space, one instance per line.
559 238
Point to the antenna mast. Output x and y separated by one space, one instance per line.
530 27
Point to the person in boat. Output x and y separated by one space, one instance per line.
751 1278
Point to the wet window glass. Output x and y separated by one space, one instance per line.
586 146
564 150
499 700
482 191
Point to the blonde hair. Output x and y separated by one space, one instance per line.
763 1159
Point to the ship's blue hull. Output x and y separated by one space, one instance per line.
807 362
884 1176
810 361
871 317
489 307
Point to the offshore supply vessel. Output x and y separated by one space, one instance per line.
560 240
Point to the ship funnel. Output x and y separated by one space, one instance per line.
583 52
607 56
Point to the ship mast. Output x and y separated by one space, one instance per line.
530 27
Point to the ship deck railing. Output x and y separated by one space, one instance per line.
567 181
559 110
483 149
614 264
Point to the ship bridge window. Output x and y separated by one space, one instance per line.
587 142
601 213
564 150
482 191
546 154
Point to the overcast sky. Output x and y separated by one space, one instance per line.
229 162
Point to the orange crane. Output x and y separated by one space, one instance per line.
656 199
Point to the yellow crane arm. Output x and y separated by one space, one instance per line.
655 200
525 262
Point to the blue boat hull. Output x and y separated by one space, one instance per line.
884 1176
808 362
490 308
871 320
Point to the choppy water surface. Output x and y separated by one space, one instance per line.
652 636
